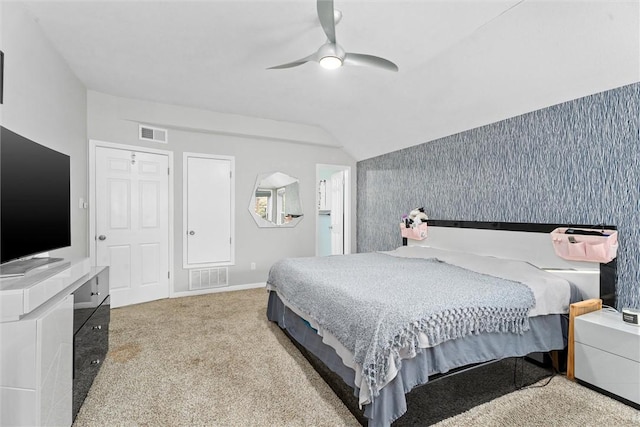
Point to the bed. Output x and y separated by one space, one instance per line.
386 322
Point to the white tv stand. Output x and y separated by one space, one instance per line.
21 267
37 338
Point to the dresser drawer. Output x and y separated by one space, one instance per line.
91 344
88 297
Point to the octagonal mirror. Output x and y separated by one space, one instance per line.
275 201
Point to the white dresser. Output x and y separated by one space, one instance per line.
37 322
607 353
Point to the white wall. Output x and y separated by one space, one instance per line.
114 119
45 102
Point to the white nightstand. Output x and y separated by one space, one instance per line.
607 353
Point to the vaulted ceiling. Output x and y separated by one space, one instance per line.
462 64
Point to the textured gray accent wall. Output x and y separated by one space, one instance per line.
576 162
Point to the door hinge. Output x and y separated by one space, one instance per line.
230 175
168 275
229 240
168 171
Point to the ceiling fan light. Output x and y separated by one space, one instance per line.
330 62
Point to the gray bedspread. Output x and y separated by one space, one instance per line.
377 305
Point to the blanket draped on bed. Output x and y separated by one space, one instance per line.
377 305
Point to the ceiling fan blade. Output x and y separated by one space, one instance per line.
327 19
294 63
369 60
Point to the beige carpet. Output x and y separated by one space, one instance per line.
215 360
560 403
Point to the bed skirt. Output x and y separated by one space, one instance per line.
547 333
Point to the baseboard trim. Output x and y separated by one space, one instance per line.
217 290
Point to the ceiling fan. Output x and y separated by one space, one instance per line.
331 55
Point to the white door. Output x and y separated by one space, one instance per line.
337 213
208 210
132 223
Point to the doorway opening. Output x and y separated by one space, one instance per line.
333 209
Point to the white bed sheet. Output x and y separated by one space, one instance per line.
552 293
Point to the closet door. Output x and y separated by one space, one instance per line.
208 200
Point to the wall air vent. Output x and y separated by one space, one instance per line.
208 278
149 133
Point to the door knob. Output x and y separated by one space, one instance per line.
102 237
191 233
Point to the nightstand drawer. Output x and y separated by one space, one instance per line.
610 372
606 331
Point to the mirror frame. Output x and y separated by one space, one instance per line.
261 222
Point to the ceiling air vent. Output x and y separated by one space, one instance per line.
148 133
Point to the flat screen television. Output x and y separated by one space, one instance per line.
35 198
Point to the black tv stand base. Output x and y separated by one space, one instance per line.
21 267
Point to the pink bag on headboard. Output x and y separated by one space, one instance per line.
578 247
